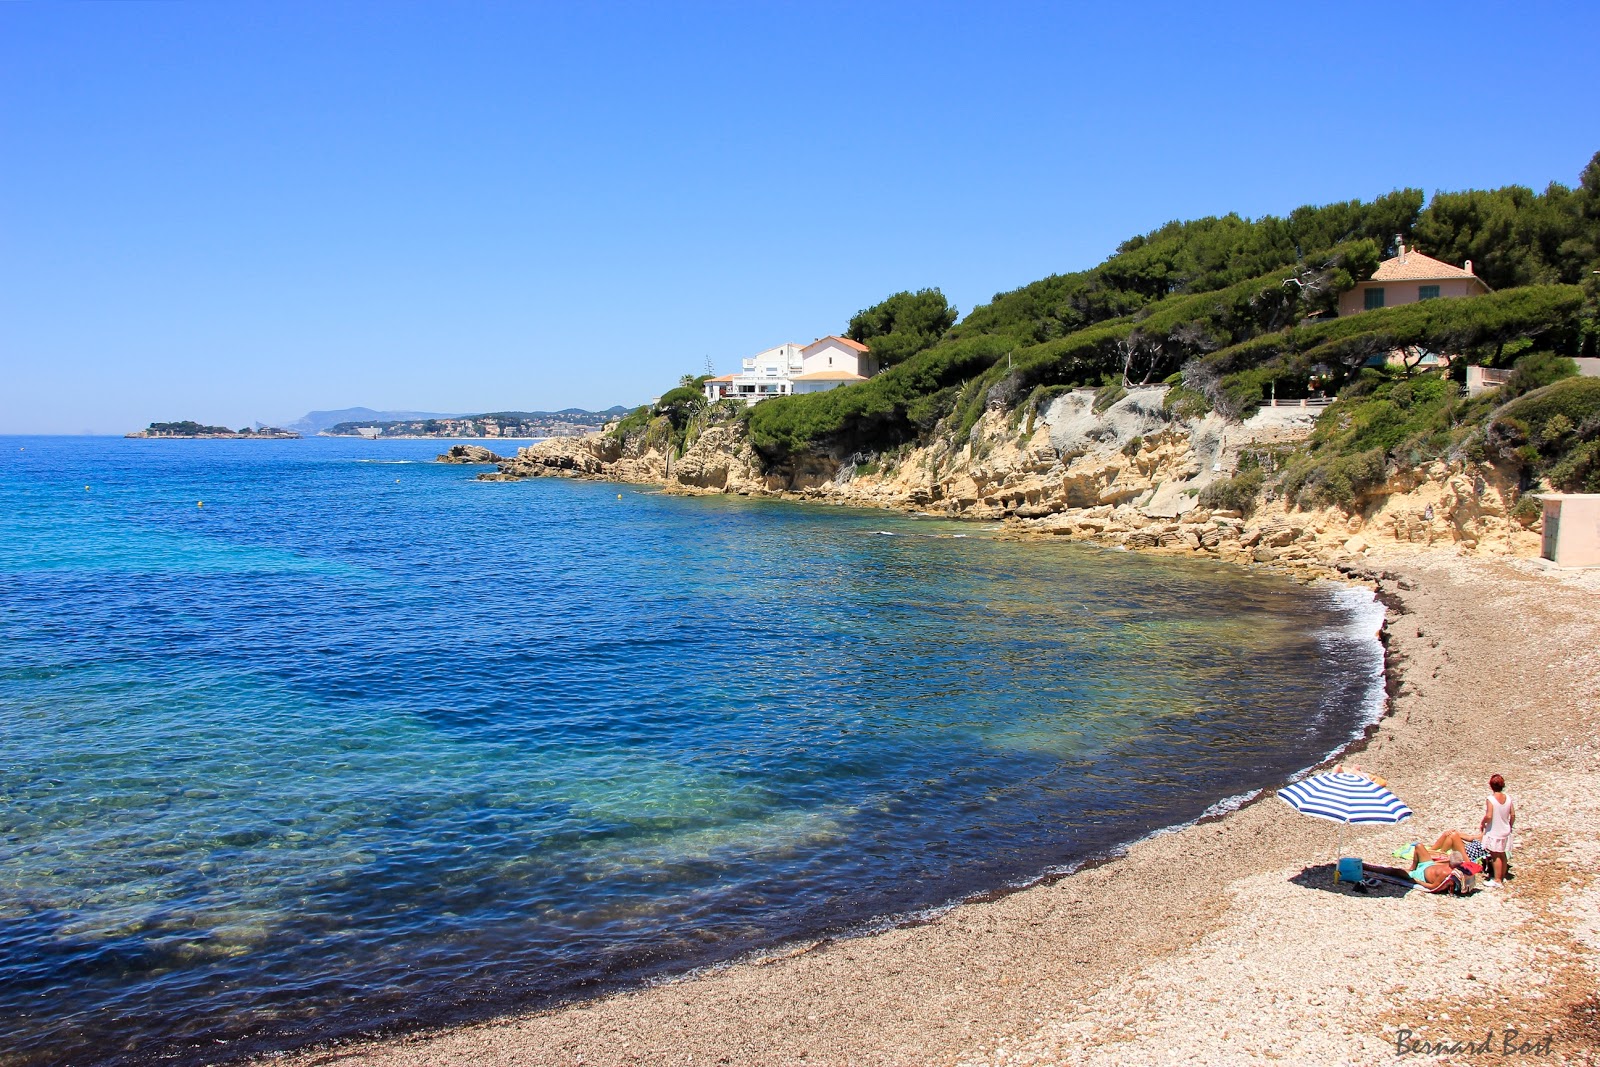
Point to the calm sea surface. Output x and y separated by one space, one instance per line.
364 743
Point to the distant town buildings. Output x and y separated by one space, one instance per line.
826 363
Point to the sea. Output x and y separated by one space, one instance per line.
310 739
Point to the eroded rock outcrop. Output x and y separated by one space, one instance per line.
469 454
1130 475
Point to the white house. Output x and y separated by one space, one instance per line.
823 364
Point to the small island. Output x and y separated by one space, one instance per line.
190 430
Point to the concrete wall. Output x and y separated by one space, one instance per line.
781 359
1398 293
843 358
1482 379
816 387
1572 529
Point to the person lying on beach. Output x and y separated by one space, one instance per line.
1467 845
1429 871
1425 868
1356 769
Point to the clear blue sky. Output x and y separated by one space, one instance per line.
241 211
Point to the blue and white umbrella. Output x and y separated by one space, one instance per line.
1344 798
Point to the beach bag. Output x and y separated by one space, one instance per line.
1349 870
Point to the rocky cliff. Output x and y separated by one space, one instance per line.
1129 475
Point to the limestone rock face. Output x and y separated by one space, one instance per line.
719 460
469 454
1129 476
592 454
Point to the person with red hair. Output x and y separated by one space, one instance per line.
1499 818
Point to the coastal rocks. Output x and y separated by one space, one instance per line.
590 455
1131 476
469 454
720 460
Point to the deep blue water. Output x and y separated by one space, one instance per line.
363 742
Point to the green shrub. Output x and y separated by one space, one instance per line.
1339 480
1527 510
1238 493
1107 395
1186 403
1566 404
1535 371
1553 431
1578 471
635 421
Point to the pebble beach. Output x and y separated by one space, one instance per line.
1226 941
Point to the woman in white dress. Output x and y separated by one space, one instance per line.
1499 817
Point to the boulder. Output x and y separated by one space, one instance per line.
469 454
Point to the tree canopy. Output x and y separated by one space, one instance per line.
903 325
1225 303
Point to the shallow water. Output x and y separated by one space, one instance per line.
363 742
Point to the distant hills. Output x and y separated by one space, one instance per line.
564 423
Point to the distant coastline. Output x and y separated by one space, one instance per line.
498 426
425 437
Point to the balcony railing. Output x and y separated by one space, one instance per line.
1303 402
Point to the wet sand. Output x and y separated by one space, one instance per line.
1224 942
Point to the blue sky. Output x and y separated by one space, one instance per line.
242 211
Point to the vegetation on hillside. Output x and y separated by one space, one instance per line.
673 422
903 325
1228 307
1545 421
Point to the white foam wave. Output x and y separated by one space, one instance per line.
1355 643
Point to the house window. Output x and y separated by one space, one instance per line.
1427 292
1374 298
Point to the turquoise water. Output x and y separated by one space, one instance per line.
363 743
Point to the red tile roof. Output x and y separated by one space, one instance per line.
1413 266
857 345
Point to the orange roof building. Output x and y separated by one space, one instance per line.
1409 277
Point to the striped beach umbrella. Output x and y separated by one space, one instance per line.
1344 798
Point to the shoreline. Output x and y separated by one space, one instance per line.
419 437
1066 969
